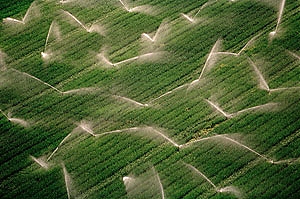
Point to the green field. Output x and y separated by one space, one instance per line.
150 99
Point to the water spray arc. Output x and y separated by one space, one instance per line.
192 19
159 182
146 55
67 179
242 50
263 83
52 29
228 189
231 115
92 28
207 66
73 91
24 19
59 145
131 101
159 32
40 162
281 9
15 120
294 55
142 9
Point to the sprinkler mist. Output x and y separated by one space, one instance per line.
263 83
143 9
3 56
146 57
268 106
228 189
92 28
59 145
53 29
210 61
67 179
40 162
243 49
24 19
159 182
281 9
192 19
86 128
162 29
131 101
15 120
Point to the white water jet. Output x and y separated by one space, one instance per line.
294 54
131 101
209 61
167 93
261 107
159 33
281 9
48 35
262 82
201 174
120 131
243 49
15 120
148 37
33 77
192 19
67 179
81 90
227 115
143 9
19 121
231 115
125 6
198 140
24 19
87 128
287 161
127 180
129 183
65 1
3 56
228 189
143 56
40 162
46 55
59 145
134 58
162 135
159 182
53 29
246 147
2 112
92 28
231 189
146 128
104 59
188 18
282 89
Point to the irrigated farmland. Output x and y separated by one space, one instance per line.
150 99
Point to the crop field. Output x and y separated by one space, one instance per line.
150 99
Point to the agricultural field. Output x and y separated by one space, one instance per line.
150 99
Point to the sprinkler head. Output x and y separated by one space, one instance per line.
45 55
272 33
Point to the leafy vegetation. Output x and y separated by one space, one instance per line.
96 104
